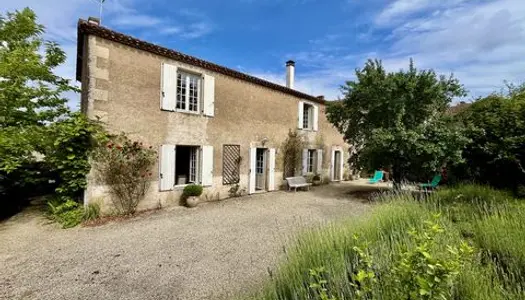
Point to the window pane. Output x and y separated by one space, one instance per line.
193 165
306 116
193 93
181 91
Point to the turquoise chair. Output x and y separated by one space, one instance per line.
432 185
378 176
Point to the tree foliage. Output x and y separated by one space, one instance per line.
31 95
496 126
398 120
41 141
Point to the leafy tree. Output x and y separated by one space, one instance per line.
40 139
398 120
31 95
496 126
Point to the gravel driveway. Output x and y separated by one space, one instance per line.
212 252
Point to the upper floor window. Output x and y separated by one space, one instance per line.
188 91
308 116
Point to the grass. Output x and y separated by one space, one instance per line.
492 222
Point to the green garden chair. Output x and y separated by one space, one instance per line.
378 176
432 185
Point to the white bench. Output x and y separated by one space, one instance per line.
297 182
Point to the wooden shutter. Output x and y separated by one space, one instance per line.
319 161
209 96
341 169
167 167
305 161
251 182
207 165
271 169
315 125
169 87
332 165
300 111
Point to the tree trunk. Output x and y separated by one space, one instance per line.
397 176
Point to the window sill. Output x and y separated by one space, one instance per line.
308 129
197 113
181 187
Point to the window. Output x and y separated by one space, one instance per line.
186 162
307 116
188 91
259 168
231 160
311 161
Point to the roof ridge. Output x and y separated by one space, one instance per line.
84 27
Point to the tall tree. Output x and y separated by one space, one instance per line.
31 94
496 126
397 120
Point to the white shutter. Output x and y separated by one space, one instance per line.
305 161
315 126
319 161
300 111
251 183
271 169
207 165
167 167
169 87
341 169
209 96
332 165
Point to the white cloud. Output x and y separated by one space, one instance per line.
482 43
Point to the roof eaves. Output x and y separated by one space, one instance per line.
87 28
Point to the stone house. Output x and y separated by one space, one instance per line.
212 125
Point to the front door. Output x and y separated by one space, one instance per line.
260 169
337 165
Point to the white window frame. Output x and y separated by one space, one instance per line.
195 159
308 112
186 77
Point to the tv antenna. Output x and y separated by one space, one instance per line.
100 3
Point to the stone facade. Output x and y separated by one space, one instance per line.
121 85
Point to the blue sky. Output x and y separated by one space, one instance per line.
482 42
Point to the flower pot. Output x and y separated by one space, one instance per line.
192 201
317 182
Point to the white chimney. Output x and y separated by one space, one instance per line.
290 74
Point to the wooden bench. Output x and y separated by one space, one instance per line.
297 182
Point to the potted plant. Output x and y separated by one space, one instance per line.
316 179
191 194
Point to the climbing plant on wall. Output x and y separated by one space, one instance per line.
292 149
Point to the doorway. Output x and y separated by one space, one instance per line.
337 165
260 169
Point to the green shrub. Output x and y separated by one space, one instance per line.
68 214
192 190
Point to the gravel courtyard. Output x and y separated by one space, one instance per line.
212 252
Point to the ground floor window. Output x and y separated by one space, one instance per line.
186 164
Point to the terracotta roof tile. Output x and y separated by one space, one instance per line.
85 28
